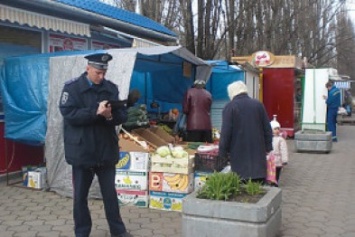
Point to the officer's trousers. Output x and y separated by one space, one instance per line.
82 179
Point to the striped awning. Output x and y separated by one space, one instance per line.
22 17
140 43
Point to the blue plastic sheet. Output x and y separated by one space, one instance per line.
222 75
24 91
24 86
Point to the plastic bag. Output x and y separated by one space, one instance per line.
180 125
226 169
271 168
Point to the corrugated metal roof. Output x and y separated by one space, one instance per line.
101 8
216 113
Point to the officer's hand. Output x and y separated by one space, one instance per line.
104 109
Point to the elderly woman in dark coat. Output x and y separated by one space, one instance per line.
246 134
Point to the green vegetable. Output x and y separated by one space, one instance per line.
163 151
194 145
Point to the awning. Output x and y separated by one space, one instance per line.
141 43
22 17
136 43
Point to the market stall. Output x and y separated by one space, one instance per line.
280 78
160 73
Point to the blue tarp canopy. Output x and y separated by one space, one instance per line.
24 91
222 75
158 73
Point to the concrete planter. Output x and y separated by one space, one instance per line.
211 218
308 141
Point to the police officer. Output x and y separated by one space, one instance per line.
91 142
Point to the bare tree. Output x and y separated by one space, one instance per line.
345 41
188 39
307 28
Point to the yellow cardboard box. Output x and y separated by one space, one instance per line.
37 178
132 180
132 198
136 161
169 182
200 178
166 201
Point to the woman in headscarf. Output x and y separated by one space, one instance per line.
246 134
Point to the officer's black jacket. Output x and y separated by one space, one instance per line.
89 139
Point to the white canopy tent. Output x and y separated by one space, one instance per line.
121 68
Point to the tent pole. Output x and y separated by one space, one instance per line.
145 89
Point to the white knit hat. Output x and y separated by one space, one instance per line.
236 88
275 124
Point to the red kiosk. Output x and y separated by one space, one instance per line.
280 81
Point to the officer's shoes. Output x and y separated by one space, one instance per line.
123 235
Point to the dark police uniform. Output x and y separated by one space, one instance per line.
91 145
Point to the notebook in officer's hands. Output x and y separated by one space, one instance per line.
116 103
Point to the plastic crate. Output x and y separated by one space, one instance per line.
209 162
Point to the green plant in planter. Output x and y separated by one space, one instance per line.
229 187
253 188
220 186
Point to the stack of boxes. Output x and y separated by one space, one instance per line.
132 178
145 178
170 180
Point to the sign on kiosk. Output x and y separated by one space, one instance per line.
59 42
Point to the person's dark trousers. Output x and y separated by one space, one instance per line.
199 136
332 120
278 173
82 179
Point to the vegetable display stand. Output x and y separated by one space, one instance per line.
171 178
209 218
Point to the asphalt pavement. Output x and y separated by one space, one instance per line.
318 201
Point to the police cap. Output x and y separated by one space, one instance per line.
99 60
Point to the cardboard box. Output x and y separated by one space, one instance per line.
128 145
25 170
166 201
200 178
37 178
162 134
150 137
135 161
172 165
132 180
169 182
132 198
